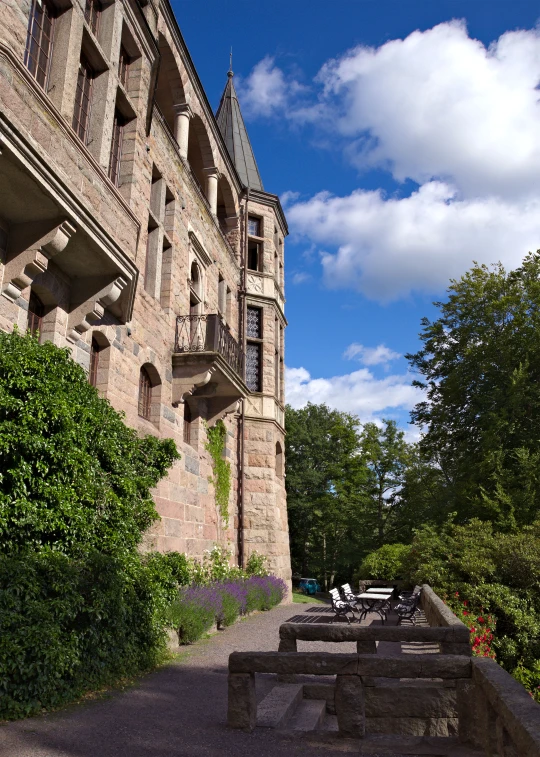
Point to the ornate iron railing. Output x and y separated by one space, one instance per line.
208 333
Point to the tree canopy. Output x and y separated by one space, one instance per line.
480 367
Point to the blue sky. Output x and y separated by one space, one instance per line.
404 140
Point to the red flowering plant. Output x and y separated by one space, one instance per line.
481 625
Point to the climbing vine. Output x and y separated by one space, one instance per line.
221 467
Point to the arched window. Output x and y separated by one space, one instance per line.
279 460
95 349
36 311
145 394
187 423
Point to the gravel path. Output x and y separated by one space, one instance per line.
177 711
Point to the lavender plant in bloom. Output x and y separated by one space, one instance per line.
198 607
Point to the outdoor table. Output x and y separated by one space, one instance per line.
381 589
372 601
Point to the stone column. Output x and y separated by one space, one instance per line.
350 707
242 704
182 117
212 176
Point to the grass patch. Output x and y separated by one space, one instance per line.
303 599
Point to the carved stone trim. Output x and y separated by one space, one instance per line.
88 313
30 247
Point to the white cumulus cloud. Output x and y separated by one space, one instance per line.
440 104
358 392
379 355
459 119
266 90
387 248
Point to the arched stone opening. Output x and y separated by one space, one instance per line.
149 399
279 460
169 89
100 355
199 155
226 208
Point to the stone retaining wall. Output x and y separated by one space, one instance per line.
474 697
359 704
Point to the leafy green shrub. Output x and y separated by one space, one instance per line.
387 562
496 574
68 625
73 476
257 565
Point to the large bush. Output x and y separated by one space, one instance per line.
387 562
493 573
68 625
73 476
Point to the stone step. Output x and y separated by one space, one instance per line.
309 716
279 705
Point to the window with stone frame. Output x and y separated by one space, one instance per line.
145 394
95 349
36 311
222 295
92 14
116 147
39 40
83 99
123 66
255 244
188 419
254 345
279 460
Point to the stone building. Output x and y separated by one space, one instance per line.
135 230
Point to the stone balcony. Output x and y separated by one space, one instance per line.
208 364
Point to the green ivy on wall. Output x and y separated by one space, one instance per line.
221 467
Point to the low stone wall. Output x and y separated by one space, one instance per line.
359 704
474 697
440 615
497 714
452 639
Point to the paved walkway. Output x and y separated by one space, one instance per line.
180 710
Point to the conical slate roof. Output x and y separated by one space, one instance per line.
233 129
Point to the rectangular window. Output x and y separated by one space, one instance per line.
254 226
36 311
254 323
39 42
123 66
92 14
83 100
222 295
254 256
94 362
116 148
253 366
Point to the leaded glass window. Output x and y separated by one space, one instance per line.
254 330
253 366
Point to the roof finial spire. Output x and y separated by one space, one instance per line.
230 71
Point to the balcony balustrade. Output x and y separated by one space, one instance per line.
208 363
